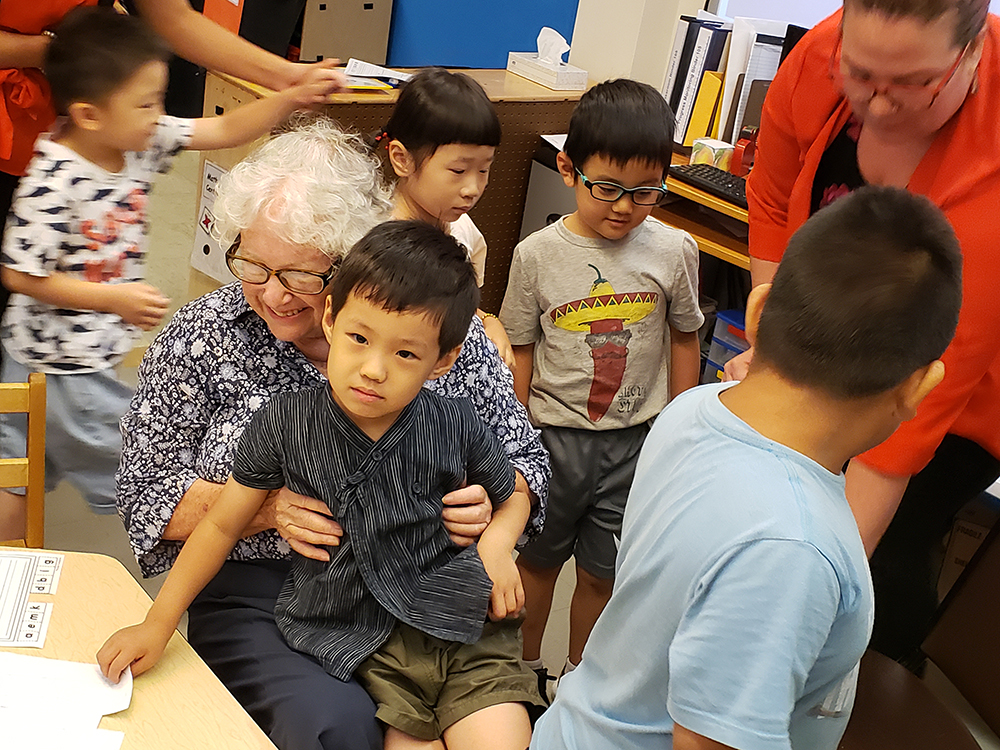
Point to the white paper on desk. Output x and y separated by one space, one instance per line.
20 732
364 69
34 685
745 31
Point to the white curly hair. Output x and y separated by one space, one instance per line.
317 186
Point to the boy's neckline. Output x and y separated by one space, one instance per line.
111 161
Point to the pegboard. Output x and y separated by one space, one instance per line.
499 212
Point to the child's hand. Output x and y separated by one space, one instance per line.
507 599
498 335
139 646
140 304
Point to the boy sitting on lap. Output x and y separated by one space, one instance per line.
397 604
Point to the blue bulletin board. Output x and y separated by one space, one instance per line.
472 33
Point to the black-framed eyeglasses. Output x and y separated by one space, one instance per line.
609 192
293 279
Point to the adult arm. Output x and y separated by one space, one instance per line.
253 120
22 50
202 41
874 497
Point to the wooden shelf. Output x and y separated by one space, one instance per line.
685 190
686 215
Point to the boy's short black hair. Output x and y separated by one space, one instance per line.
622 120
867 293
411 265
95 51
437 107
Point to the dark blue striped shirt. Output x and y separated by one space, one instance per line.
395 560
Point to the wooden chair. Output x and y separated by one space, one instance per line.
28 472
894 710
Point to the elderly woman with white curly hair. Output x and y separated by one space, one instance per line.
288 212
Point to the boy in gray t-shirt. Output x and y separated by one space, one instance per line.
602 311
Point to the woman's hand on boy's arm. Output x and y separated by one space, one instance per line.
137 303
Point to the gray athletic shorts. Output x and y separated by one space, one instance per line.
83 443
591 476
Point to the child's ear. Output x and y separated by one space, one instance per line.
85 115
915 388
328 319
566 170
402 161
445 363
755 305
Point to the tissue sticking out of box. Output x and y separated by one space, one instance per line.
546 66
551 46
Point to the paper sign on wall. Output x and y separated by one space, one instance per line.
207 256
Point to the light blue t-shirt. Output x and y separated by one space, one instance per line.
742 600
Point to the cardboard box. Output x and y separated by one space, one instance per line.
972 524
556 76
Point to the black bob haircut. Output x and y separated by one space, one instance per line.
437 107
407 266
622 120
868 292
95 52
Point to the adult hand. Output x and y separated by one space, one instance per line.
304 522
467 512
319 72
140 304
738 367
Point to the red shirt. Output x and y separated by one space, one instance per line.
25 100
960 173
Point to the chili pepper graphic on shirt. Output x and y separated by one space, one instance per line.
602 317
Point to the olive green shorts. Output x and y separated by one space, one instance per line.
422 684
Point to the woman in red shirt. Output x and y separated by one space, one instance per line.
894 93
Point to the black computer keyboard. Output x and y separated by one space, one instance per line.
713 180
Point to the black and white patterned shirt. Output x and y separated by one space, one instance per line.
73 217
395 560
213 366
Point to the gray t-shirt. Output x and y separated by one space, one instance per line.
597 311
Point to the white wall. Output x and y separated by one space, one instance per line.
631 38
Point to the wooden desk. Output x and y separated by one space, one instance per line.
526 111
180 703
685 214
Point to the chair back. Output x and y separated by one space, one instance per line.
29 471
965 641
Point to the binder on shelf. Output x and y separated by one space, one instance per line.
706 55
705 115
673 66
685 60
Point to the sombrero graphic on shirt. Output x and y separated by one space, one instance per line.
603 315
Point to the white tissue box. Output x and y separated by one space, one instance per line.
551 75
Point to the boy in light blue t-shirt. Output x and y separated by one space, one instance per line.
742 601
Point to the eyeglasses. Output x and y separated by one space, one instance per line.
293 279
908 96
609 192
